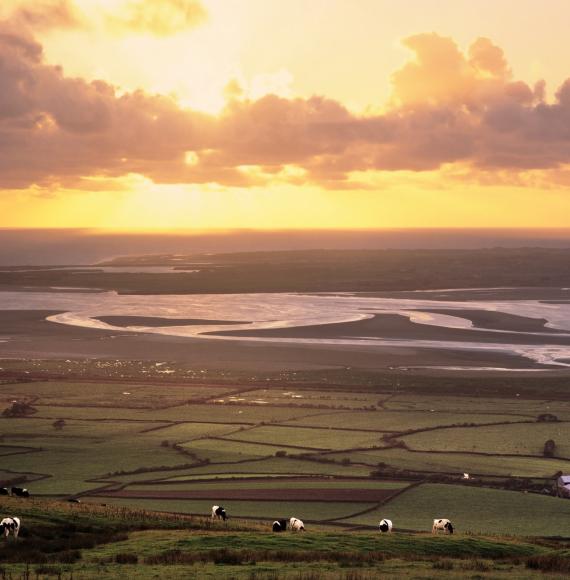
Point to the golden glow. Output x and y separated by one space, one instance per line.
237 51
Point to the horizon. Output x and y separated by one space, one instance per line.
75 246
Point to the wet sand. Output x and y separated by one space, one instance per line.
151 321
501 320
395 326
30 336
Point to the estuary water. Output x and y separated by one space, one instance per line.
287 310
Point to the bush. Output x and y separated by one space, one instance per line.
46 570
443 565
126 558
549 563
19 409
547 418
549 448
59 424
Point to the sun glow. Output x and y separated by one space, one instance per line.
248 113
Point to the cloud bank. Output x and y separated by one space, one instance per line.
447 107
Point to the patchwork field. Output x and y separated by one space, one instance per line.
328 455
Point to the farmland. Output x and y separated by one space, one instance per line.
334 456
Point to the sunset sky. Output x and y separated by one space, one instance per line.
268 114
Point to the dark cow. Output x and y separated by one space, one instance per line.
4 491
219 513
20 492
74 500
10 525
279 525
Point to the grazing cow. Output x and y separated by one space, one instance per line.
279 525
20 492
385 526
4 491
74 500
219 513
8 525
296 525
442 524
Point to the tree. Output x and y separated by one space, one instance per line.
59 424
549 448
18 409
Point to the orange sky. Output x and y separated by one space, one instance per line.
266 114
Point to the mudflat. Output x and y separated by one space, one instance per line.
29 335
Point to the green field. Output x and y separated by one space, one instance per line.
309 438
178 439
519 406
473 510
115 542
521 439
107 394
396 421
458 463
268 510
217 450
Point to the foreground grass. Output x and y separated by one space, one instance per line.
85 541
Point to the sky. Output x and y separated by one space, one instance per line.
207 115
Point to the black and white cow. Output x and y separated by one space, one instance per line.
219 513
279 525
4 491
10 525
442 524
296 525
20 492
385 526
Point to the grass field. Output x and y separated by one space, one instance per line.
397 421
315 511
86 541
458 463
309 438
161 446
516 404
476 511
522 439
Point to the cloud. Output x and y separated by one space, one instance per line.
42 15
159 17
449 108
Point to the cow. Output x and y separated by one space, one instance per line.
219 513
20 492
279 525
4 491
385 526
296 525
74 500
8 525
442 524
